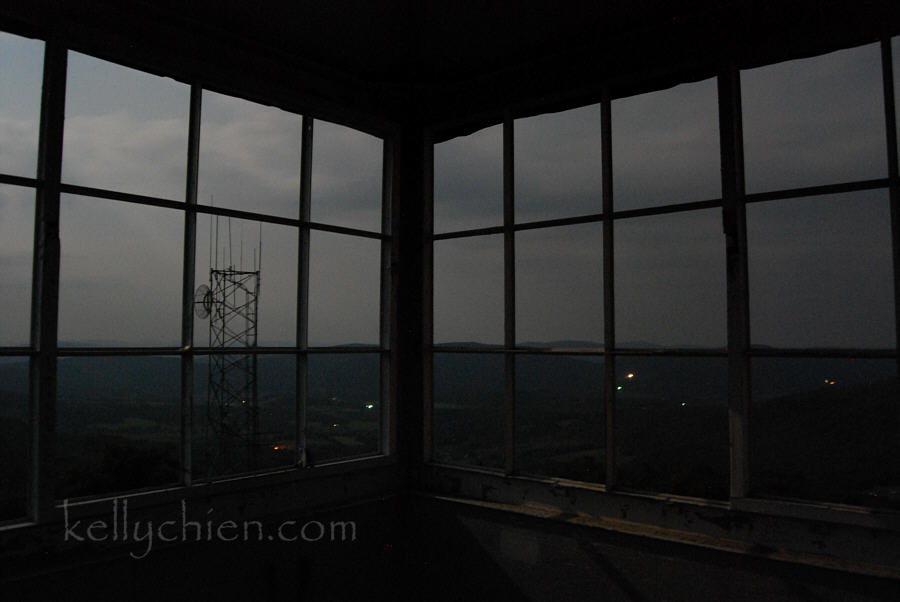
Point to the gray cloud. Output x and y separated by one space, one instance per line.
559 284
18 153
125 130
818 268
670 279
344 289
16 231
666 146
119 151
120 272
249 156
821 271
468 181
814 121
468 290
346 177
558 164
121 263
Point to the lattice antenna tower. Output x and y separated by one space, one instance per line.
231 302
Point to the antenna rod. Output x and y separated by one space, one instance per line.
213 260
230 258
217 242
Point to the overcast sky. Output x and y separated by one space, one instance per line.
121 265
820 268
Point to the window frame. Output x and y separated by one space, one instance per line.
739 350
42 506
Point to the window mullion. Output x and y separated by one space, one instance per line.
45 285
609 323
509 296
738 312
187 295
385 332
890 112
428 298
302 393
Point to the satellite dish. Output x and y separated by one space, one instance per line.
202 301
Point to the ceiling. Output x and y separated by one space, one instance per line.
440 61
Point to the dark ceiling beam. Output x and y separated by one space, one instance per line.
657 55
146 38
373 65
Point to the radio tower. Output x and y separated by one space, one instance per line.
232 415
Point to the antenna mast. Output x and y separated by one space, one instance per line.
231 303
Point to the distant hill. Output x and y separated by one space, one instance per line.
459 377
822 428
157 379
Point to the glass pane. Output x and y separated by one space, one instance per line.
666 146
826 429
672 425
560 417
468 409
821 272
249 156
125 130
559 286
21 72
814 121
346 177
228 261
557 165
16 251
468 181
244 413
468 290
120 273
118 421
344 289
670 280
14 436
344 409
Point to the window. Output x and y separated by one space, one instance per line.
21 61
822 312
249 157
609 306
670 280
820 271
825 429
16 250
559 286
561 416
814 121
120 274
20 92
125 130
468 285
468 409
666 147
279 322
346 178
14 436
468 182
558 164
